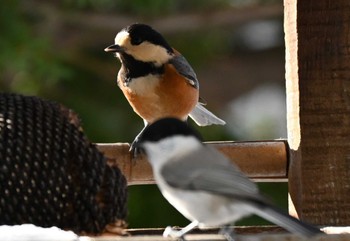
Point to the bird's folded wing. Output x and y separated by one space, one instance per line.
208 170
185 69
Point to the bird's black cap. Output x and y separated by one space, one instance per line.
167 127
139 33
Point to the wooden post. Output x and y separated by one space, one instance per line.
317 35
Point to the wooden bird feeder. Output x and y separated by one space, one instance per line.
315 160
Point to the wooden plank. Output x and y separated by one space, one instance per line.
262 161
318 108
249 233
217 237
239 230
292 89
265 232
214 230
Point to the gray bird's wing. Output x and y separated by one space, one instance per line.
208 170
185 69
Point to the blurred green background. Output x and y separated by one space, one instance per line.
54 49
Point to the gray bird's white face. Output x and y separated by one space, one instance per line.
145 51
160 152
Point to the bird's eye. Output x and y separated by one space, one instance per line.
136 41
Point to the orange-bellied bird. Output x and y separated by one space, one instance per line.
156 79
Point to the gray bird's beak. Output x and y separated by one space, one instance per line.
114 48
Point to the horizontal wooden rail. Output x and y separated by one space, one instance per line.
262 233
216 237
264 161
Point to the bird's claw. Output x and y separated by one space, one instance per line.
134 149
228 233
170 232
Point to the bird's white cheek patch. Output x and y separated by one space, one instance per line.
148 52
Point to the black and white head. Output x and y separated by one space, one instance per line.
143 43
167 138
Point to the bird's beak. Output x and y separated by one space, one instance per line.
114 48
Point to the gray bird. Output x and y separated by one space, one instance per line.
203 185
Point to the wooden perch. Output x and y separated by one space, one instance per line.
260 160
217 237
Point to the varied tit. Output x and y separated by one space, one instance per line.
157 80
203 185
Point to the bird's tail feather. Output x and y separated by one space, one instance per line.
288 222
204 117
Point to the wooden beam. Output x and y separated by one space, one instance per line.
262 161
248 233
246 230
217 237
318 108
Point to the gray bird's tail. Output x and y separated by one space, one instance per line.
204 117
287 222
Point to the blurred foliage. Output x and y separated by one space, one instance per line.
28 62
157 8
148 8
37 58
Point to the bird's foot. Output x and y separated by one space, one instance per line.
135 150
228 233
170 232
